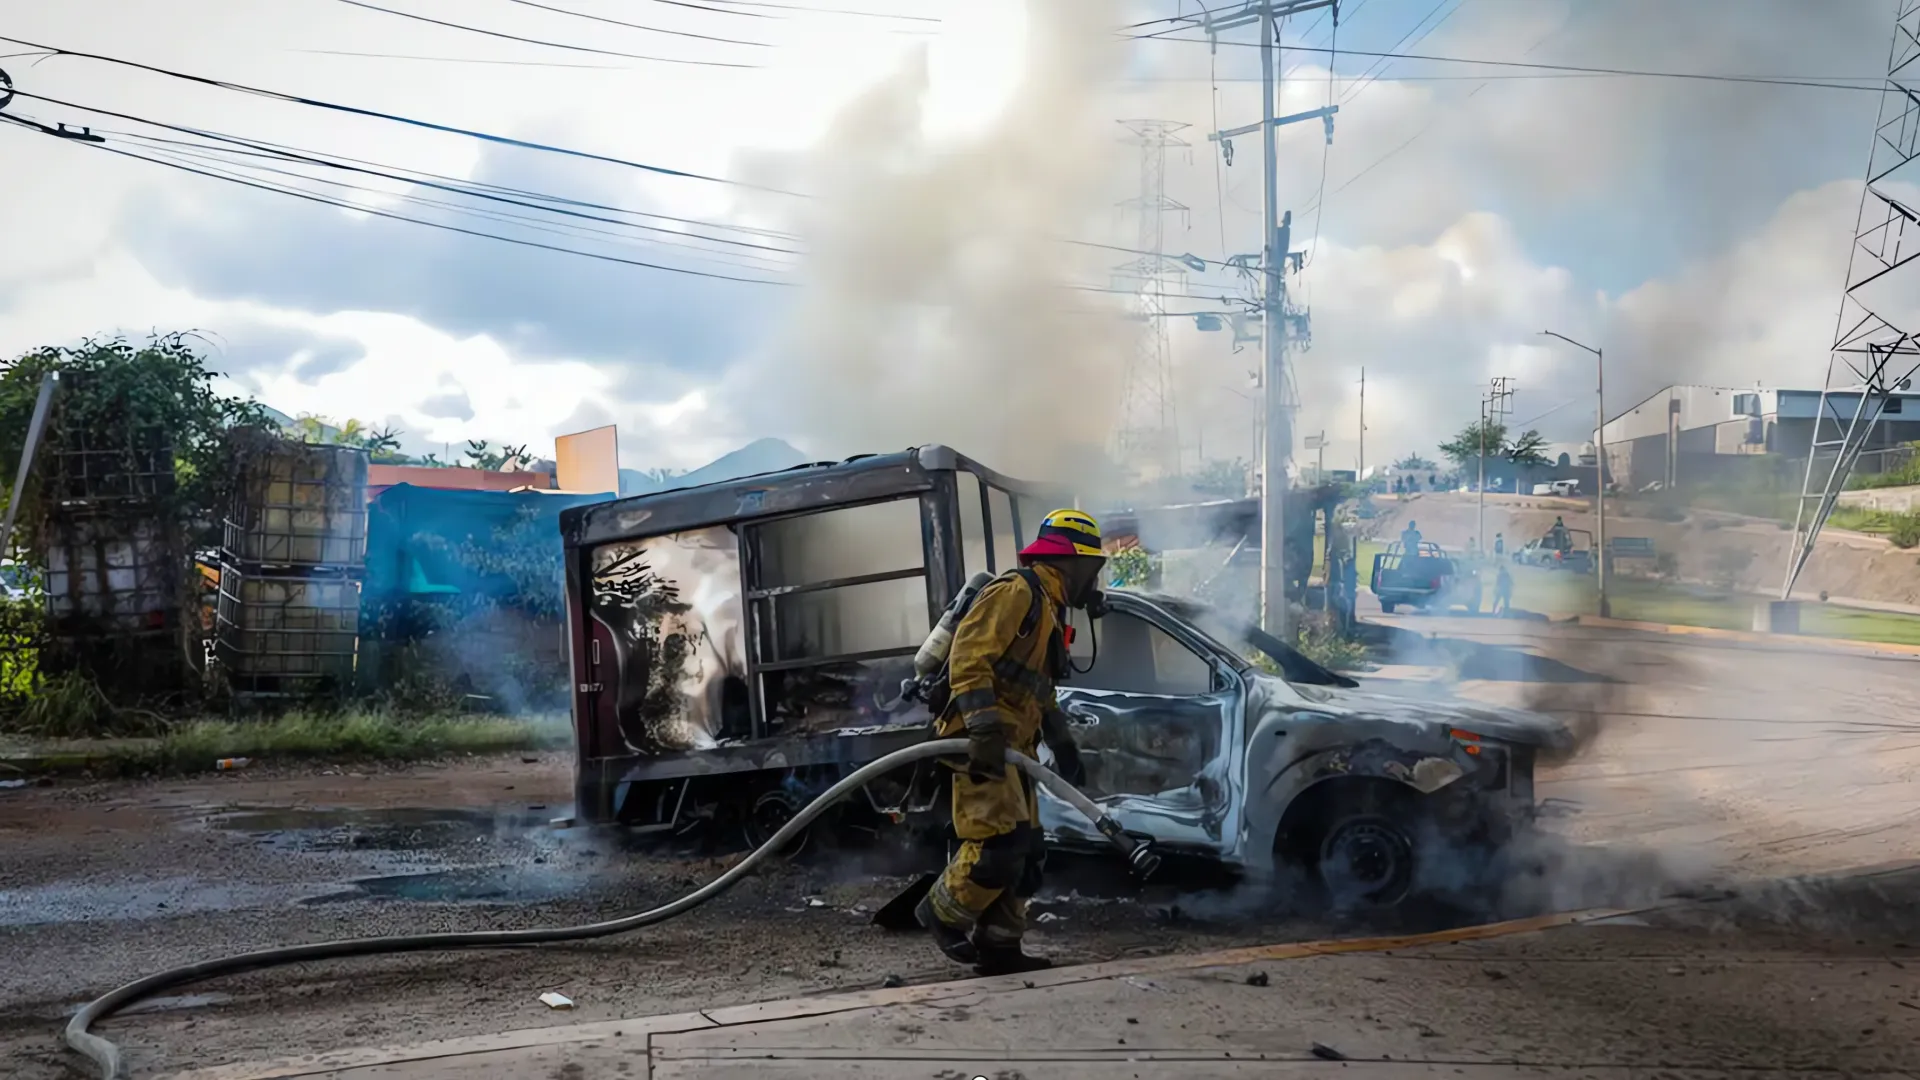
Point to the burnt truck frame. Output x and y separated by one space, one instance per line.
1214 739
958 515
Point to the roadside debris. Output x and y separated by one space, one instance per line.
12 783
893 982
1327 1053
1258 978
556 1001
228 764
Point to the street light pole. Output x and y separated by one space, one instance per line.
1599 461
1480 514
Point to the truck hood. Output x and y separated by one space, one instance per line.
1519 726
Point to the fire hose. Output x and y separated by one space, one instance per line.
1138 852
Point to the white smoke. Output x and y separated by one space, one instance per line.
937 304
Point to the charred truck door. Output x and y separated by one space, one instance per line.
1156 714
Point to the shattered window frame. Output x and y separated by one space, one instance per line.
763 649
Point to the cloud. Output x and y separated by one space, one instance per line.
236 245
453 405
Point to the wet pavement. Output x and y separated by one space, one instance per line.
1704 763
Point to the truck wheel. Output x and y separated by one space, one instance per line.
769 814
1366 861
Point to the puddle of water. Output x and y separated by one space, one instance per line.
397 829
482 885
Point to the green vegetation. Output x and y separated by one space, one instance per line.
357 735
1324 644
1905 474
131 409
1900 529
199 745
1490 438
1133 568
72 706
1561 594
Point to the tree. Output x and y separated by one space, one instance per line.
1486 437
1220 478
1528 449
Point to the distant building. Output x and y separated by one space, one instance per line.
1689 434
382 477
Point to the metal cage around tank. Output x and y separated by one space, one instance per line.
300 505
287 635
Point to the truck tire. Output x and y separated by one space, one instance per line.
1366 861
770 811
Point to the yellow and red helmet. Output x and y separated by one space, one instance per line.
1065 532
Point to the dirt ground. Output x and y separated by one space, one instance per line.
1711 548
1705 767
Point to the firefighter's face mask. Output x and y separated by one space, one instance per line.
1082 574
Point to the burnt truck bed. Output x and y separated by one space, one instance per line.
737 645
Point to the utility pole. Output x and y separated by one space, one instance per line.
1360 464
1599 463
1494 407
1276 447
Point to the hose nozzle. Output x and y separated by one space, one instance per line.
1141 858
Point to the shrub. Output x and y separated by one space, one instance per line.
1904 531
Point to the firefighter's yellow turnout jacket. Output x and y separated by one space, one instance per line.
996 674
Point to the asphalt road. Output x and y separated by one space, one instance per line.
1705 764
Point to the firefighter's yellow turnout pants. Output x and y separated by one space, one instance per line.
1000 677
998 865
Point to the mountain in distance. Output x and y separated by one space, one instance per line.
759 456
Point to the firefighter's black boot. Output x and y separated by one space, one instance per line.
953 943
1008 960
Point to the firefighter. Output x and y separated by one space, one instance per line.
1008 651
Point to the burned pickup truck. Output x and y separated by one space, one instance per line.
738 648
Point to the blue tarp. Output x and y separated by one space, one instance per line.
415 533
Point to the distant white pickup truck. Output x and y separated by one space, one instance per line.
1565 488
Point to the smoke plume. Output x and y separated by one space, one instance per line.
938 304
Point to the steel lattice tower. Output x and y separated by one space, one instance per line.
1149 434
1871 358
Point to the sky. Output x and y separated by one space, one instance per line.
901 189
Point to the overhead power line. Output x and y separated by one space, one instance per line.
1633 72
825 10
450 186
390 215
548 44
715 10
215 160
636 26
375 114
465 60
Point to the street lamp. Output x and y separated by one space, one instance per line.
1599 461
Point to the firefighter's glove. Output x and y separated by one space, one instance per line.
1066 754
986 747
